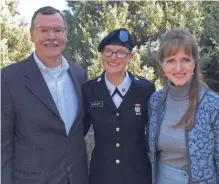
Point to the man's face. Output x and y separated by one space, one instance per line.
117 62
49 36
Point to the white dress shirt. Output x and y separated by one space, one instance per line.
62 90
123 88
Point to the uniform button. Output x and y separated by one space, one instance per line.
69 168
117 129
118 161
117 114
117 145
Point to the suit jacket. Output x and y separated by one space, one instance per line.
119 156
35 147
202 140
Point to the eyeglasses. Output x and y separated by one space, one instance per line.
44 31
119 54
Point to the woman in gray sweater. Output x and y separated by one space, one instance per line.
183 117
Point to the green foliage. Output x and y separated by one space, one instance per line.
14 44
211 65
89 22
95 69
144 71
210 45
147 20
211 22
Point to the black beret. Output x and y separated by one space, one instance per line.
117 37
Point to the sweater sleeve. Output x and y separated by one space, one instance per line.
148 127
216 151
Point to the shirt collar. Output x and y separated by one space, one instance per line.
123 87
42 67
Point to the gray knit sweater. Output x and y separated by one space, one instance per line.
171 142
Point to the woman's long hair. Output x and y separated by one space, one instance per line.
171 43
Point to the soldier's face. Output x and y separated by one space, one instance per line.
115 59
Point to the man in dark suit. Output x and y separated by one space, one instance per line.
42 111
116 105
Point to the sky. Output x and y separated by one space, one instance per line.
27 7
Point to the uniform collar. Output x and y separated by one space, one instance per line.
123 87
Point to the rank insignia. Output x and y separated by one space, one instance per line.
137 109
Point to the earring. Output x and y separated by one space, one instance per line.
193 72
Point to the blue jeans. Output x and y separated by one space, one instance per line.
170 175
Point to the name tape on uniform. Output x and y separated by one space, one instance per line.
96 104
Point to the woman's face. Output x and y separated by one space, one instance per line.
116 63
178 68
